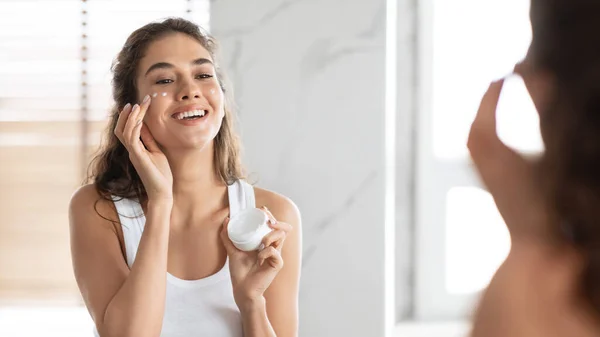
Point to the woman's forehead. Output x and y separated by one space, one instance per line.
176 49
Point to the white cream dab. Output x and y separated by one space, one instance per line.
164 94
154 94
212 91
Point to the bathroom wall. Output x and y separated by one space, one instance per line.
309 78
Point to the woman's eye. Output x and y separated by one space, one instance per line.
165 81
204 76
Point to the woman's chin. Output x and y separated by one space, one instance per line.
191 144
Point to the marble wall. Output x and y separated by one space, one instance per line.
309 81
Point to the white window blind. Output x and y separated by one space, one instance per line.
50 100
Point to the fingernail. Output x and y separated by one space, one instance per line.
126 106
135 107
146 98
261 247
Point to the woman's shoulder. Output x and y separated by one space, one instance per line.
86 196
87 203
281 206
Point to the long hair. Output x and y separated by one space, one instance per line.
566 43
111 171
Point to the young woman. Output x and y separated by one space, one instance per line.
149 238
550 283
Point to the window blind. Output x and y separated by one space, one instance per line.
55 95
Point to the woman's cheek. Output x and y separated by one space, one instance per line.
159 94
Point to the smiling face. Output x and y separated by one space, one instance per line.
187 106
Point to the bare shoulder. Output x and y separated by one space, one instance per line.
83 196
87 205
97 249
282 207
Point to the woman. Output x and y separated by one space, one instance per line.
549 284
148 237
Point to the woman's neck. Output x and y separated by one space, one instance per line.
195 178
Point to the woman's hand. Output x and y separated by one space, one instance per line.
149 161
509 177
252 272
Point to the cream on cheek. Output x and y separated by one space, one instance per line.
156 94
157 104
216 95
216 99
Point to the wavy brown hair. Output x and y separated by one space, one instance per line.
566 44
111 171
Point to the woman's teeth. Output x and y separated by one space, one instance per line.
190 114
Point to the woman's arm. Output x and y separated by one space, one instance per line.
277 313
122 302
255 321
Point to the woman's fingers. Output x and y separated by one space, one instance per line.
483 134
272 219
147 139
284 226
274 239
280 230
142 129
488 106
130 125
134 124
273 223
271 256
123 115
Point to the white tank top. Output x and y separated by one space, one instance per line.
203 307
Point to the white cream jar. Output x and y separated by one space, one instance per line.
247 228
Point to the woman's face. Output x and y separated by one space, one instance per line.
187 103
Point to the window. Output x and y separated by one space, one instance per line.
42 128
461 238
